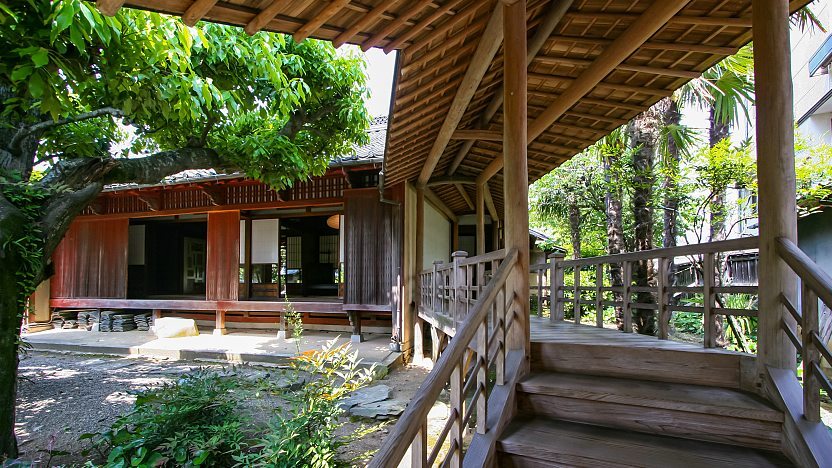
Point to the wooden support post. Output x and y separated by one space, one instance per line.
500 322
810 354
455 235
418 340
355 321
482 376
663 298
219 323
627 296
457 412
435 344
577 295
458 282
540 292
556 283
480 207
709 320
775 170
418 261
599 296
515 171
419 448
157 314
247 270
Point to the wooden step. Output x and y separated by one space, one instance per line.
680 410
651 360
542 442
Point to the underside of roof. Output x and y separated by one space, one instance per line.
438 86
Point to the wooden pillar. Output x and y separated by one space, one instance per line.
247 271
454 235
419 256
481 188
775 171
219 323
515 166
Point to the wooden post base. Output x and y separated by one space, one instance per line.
220 331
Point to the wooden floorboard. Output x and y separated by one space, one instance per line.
557 443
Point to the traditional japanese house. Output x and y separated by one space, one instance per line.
230 250
490 95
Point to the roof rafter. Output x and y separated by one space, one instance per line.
328 12
487 48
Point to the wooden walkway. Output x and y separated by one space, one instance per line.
544 331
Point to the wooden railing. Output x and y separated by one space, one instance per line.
660 295
815 284
482 314
448 291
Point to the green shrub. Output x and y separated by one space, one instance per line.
192 422
305 434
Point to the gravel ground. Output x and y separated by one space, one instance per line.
62 396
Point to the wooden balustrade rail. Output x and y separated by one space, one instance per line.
658 296
816 285
448 291
477 346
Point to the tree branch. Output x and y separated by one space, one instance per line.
46 125
61 210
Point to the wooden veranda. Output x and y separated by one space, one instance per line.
491 95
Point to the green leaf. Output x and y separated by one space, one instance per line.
41 57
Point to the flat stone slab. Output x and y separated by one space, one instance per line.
380 409
366 395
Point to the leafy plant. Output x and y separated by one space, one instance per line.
192 422
305 434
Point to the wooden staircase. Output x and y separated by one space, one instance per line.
646 404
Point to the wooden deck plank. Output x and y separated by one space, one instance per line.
559 443
681 397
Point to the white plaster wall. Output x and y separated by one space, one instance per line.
809 89
437 236
818 127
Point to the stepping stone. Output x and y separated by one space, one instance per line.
380 409
366 395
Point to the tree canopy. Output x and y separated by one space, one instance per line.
88 100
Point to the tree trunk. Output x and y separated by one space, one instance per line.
670 218
717 132
643 136
615 229
575 228
12 227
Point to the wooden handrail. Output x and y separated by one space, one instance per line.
406 429
812 275
743 243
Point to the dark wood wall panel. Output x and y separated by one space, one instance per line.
91 260
223 260
369 250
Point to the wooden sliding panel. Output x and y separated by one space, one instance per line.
91 260
368 248
223 256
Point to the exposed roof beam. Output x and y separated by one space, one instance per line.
419 27
444 180
650 22
487 48
197 10
109 7
264 17
440 205
465 195
395 24
680 46
322 17
542 33
365 22
475 134
546 60
683 20
489 202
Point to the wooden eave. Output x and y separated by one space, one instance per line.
438 39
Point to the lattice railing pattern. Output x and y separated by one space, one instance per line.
594 288
473 300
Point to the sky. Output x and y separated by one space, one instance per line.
380 71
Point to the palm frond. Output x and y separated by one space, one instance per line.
806 21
